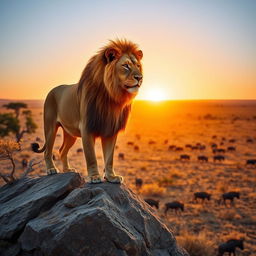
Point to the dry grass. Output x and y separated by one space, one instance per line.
197 245
165 182
152 190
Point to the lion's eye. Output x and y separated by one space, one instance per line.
126 66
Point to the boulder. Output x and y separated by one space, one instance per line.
91 220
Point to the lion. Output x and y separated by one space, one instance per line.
97 106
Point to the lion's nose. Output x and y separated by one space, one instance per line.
138 77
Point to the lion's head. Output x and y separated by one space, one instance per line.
109 82
117 69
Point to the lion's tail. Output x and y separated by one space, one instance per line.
35 148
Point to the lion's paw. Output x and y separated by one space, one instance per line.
52 171
117 179
95 179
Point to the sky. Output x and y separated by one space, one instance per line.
193 49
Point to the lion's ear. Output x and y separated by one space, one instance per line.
111 54
139 54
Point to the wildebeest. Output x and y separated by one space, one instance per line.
172 147
249 140
202 195
136 148
185 157
24 163
232 141
130 143
165 141
121 156
230 196
202 158
188 146
175 205
214 145
218 150
152 202
230 247
231 148
202 147
138 183
219 158
151 142
178 149
251 162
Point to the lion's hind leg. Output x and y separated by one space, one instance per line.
68 142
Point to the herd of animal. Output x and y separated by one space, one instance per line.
177 207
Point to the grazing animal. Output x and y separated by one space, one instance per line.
214 145
202 196
232 141
138 183
152 202
121 156
185 157
97 106
202 147
218 150
24 163
151 142
219 158
172 147
136 148
130 143
175 205
230 247
251 162
178 149
231 148
202 158
165 141
188 146
249 140
230 196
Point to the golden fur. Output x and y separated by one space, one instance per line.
97 106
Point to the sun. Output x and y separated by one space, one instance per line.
156 95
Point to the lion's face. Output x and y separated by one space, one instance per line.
129 72
123 74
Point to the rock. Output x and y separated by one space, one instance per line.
25 203
55 216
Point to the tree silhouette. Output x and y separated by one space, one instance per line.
11 124
16 106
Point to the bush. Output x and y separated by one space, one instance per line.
152 190
197 245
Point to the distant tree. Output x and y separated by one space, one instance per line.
7 149
16 106
11 124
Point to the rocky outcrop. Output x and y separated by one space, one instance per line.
59 215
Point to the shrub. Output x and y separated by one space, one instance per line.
197 245
152 190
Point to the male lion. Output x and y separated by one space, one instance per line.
97 106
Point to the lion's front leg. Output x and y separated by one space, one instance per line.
108 146
90 156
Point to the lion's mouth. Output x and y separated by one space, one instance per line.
132 88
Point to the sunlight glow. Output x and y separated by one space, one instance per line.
156 95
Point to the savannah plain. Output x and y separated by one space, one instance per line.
155 126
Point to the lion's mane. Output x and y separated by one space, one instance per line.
106 104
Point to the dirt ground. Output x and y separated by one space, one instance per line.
152 129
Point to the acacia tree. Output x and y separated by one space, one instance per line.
11 124
16 106
7 149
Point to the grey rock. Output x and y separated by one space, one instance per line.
26 203
99 220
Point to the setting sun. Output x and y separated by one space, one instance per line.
155 95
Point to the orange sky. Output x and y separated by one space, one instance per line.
192 49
